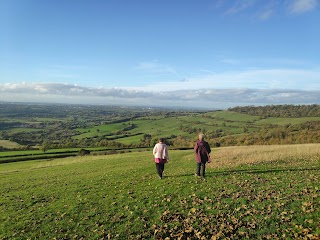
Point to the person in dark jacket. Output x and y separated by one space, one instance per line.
202 151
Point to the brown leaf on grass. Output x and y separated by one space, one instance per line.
165 212
193 210
307 207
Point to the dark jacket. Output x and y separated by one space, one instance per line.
202 151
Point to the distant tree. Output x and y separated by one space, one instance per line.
182 141
83 152
146 140
154 141
45 146
280 110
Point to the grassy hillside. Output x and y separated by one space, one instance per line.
9 144
249 192
76 126
187 126
285 121
225 122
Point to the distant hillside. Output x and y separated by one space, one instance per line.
280 110
70 126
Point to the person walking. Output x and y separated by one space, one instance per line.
202 151
161 156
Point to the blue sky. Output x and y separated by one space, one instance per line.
190 53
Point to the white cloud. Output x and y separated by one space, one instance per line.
240 6
210 89
302 6
155 67
209 97
266 14
252 78
264 10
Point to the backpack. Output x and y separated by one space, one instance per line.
203 151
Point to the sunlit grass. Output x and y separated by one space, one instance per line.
233 116
120 196
285 121
9 144
289 154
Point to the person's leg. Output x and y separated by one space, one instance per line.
161 169
203 169
198 169
158 169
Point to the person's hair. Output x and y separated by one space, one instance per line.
161 140
201 136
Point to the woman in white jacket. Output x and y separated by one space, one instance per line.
161 156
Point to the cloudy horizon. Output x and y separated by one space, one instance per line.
188 98
213 54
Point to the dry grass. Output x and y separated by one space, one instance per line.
234 156
9 144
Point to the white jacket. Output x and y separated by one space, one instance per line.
160 150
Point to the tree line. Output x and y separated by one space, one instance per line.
270 134
280 110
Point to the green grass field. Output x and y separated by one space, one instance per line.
9 144
168 126
120 197
284 121
232 116
188 126
39 152
229 122
99 130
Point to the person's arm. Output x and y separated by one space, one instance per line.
167 152
208 148
195 149
155 149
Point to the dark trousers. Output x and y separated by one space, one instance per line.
160 169
201 169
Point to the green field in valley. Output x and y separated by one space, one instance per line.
171 126
258 192
8 144
82 126
231 123
285 121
